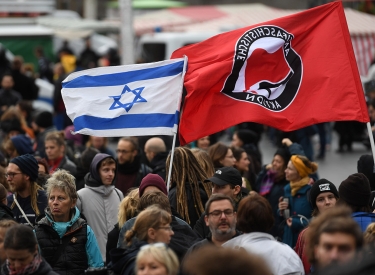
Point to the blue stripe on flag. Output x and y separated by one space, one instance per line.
126 121
116 79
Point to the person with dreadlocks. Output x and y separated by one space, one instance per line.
188 192
29 199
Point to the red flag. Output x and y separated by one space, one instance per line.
287 73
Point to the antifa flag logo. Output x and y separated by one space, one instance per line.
266 71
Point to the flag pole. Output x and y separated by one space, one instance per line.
371 137
175 130
171 162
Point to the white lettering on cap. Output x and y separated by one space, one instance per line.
218 172
324 187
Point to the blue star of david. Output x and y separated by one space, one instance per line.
127 106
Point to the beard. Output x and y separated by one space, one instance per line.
220 233
18 188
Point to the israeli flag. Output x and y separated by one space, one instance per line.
130 100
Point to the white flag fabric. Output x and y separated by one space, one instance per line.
129 100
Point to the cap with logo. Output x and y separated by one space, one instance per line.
321 186
226 175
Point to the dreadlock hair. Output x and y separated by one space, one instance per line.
187 170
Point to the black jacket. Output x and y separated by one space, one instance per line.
193 213
5 212
123 260
158 163
44 269
73 258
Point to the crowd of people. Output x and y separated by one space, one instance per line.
70 204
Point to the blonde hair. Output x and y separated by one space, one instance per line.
63 180
151 217
162 254
369 235
128 207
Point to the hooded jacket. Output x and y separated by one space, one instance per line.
279 257
80 252
99 203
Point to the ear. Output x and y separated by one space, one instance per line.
237 189
74 202
151 234
27 177
135 152
206 220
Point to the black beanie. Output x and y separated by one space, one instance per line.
28 165
321 186
44 119
284 153
365 165
355 190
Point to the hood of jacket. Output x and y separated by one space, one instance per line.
97 186
94 169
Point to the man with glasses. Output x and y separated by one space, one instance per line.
221 219
130 169
226 181
29 199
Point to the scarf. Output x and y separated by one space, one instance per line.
267 183
29 269
297 185
54 164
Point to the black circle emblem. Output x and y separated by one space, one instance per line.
273 82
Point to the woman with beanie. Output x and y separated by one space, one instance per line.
355 192
294 206
270 184
323 195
